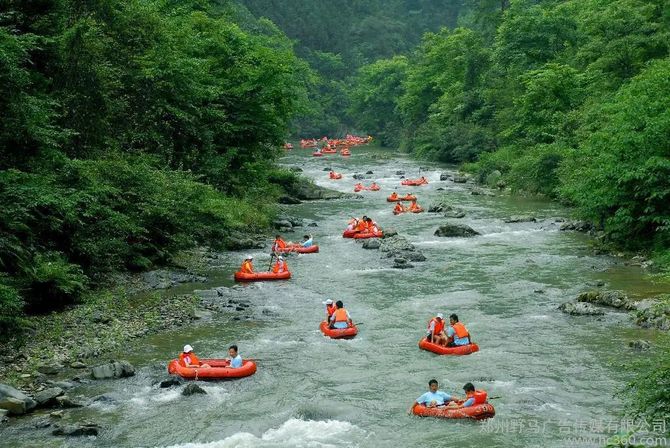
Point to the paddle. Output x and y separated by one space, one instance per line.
272 256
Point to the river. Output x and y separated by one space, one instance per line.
554 375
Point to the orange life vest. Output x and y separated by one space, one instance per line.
340 315
439 325
193 360
330 309
279 244
394 195
479 396
279 264
399 207
414 206
461 331
247 267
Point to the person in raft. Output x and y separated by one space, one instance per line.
280 265
399 208
374 185
457 334
372 226
362 225
352 224
433 397
394 196
279 244
340 318
413 206
330 309
472 397
247 265
235 358
308 241
188 359
436 333
423 180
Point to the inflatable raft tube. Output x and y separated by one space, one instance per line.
365 235
300 250
220 369
349 233
261 276
334 333
477 412
424 344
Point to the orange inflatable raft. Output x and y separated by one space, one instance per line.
365 235
424 344
317 154
407 197
413 182
476 412
219 369
300 250
261 276
349 233
333 175
334 333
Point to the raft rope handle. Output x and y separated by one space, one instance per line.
196 374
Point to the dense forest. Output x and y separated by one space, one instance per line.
130 130
562 98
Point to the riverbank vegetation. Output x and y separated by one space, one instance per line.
562 98
131 130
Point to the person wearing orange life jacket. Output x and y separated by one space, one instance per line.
457 334
247 265
374 186
473 397
436 333
330 309
399 208
340 318
413 206
280 266
394 196
189 359
352 224
279 244
423 180
372 226
362 225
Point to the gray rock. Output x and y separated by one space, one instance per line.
15 401
191 389
456 214
389 233
481 192
47 397
50 369
78 365
578 226
115 369
395 244
400 173
580 309
328 168
359 176
66 402
86 429
372 243
41 423
402 263
282 224
445 176
456 230
290 200
57 414
519 218
494 179
640 345
415 256
239 241
14 406
170 381
459 179
295 169
614 299
369 172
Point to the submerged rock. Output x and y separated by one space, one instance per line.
170 381
614 299
116 369
47 397
456 230
86 429
372 243
578 226
191 389
445 176
402 263
520 218
640 345
580 309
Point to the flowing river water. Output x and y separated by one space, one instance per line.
555 375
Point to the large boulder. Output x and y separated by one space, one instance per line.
372 243
456 230
282 224
445 176
580 309
402 263
47 397
396 243
614 299
115 369
242 241
415 256
15 401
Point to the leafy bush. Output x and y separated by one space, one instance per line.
11 310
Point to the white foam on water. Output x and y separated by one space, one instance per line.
292 433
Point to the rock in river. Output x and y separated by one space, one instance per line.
15 401
455 230
580 309
115 369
